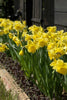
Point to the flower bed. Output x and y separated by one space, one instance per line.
37 49
27 85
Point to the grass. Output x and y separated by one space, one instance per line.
5 95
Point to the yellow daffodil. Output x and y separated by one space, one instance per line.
59 66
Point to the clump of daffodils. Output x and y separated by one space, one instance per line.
37 39
55 41
57 47
7 26
34 38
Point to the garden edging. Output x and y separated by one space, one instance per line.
11 85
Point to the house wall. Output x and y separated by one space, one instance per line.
44 12
60 14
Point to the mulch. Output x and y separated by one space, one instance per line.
14 68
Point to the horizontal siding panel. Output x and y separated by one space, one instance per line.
60 18
60 5
61 28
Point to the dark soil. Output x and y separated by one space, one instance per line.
15 69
